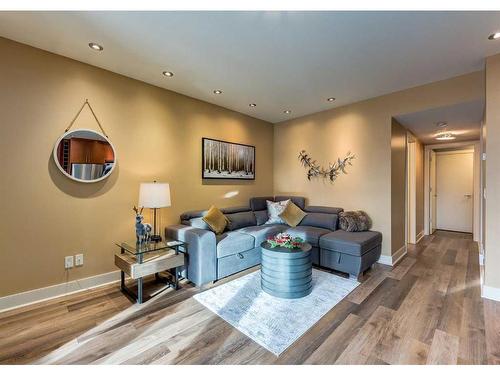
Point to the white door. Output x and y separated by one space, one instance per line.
454 185
432 190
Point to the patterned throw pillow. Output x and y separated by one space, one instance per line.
292 215
354 221
274 210
216 220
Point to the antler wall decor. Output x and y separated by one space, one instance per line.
333 170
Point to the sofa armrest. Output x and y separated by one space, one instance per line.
201 251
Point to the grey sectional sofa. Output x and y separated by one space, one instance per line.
212 257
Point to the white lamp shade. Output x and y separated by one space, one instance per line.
154 195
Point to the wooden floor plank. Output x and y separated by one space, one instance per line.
363 343
336 343
444 349
402 268
359 294
492 327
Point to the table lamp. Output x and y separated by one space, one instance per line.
154 195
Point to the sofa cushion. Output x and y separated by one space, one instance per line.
216 220
240 220
299 201
233 242
259 203
196 222
188 215
352 243
326 221
262 232
354 221
235 209
292 215
261 216
308 234
274 210
324 209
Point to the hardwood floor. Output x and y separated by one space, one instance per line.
426 310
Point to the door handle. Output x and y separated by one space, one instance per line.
468 195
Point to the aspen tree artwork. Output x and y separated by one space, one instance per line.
227 160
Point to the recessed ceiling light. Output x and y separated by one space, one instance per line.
494 36
217 92
441 124
445 137
287 111
331 99
96 47
253 105
168 74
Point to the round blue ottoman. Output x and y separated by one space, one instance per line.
286 273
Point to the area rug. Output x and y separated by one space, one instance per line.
274 323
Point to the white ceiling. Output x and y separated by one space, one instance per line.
464 121
278 60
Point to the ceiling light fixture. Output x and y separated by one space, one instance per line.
445 137
168 74
441 124
96 47
287 111
494 36
253 105
331 99
217 92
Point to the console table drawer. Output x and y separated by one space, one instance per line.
149 266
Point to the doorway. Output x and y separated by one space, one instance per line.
452 188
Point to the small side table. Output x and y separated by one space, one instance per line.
139 261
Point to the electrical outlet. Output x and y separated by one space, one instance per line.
68 262
79 260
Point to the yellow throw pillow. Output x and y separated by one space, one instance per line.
216 220
292 215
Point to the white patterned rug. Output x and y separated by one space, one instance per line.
274 323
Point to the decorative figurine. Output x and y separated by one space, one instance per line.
142 230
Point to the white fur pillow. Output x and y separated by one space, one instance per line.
274 210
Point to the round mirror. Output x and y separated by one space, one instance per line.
85 155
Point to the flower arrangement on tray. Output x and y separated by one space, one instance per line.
285 240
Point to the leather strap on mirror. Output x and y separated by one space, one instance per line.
78 114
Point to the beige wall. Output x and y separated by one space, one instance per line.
157 135
365 129
492 220
398 185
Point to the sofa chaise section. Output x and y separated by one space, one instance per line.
350 252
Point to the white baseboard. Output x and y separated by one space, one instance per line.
420 236
38 295
490 292
389 260
385 259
